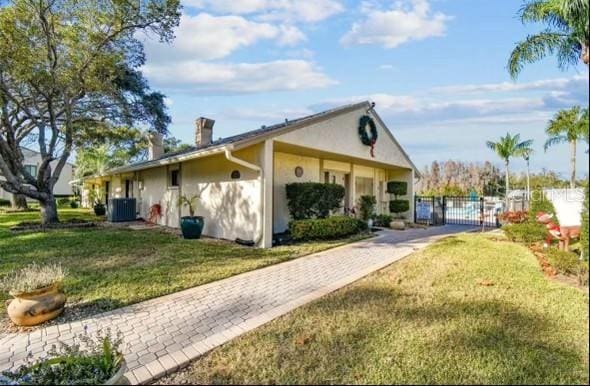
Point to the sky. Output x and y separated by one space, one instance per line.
436 70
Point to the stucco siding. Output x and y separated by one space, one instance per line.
284 173
231 207
340 135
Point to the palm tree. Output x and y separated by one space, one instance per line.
506 148
527 152
568 126
567 34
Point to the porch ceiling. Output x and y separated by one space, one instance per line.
284 147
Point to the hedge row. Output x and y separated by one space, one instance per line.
326 228
313 200
526 232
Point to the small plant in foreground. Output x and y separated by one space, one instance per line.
383 220
367 207
32 277
89 360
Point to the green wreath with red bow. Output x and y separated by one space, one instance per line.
368 138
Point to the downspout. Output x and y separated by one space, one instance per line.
230 157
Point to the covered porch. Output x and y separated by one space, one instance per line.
358 176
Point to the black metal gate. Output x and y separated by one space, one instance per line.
460 210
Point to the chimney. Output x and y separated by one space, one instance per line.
156 149
203 131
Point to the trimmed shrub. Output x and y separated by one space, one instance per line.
397 188
541 204
584 232
4 202
527 232
325 228
63 202
367 207
513 217
583 273
566 263
74 204
383 220
399 206
313 200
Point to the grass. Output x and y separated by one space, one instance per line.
110 268
465 310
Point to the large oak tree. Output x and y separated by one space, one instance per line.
69 72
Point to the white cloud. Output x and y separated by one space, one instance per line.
387 67
207 37
242 78
544 84
309 11
390 28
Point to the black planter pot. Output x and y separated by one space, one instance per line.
100 210
192 227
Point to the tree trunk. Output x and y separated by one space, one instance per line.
19 201
507 185
528 180
573 164
586 53
49 211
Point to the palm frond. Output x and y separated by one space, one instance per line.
532 49
556 140
544 11
569 52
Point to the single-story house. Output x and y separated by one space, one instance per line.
241 179
32 160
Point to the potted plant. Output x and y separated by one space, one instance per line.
191 226
397 206
37 292
95 198
367 209
89 360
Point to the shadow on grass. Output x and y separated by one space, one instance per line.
359 334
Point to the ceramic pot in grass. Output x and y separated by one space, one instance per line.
36 306
191 226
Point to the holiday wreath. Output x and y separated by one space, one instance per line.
366 139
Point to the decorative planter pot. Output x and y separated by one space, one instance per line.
35 307
192 227
399 225
100 210
119 377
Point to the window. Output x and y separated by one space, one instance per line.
174 178
298 171
235 175
31 169
364 186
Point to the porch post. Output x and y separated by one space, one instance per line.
267 193
352 187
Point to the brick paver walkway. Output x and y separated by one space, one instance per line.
165 333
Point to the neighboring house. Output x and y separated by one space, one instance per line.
241 179
32 160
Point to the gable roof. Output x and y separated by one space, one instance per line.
252 137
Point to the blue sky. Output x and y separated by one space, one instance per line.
435 68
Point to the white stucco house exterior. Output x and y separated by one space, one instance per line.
241 179
32 160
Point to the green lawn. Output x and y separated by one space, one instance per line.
110 268
465 310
